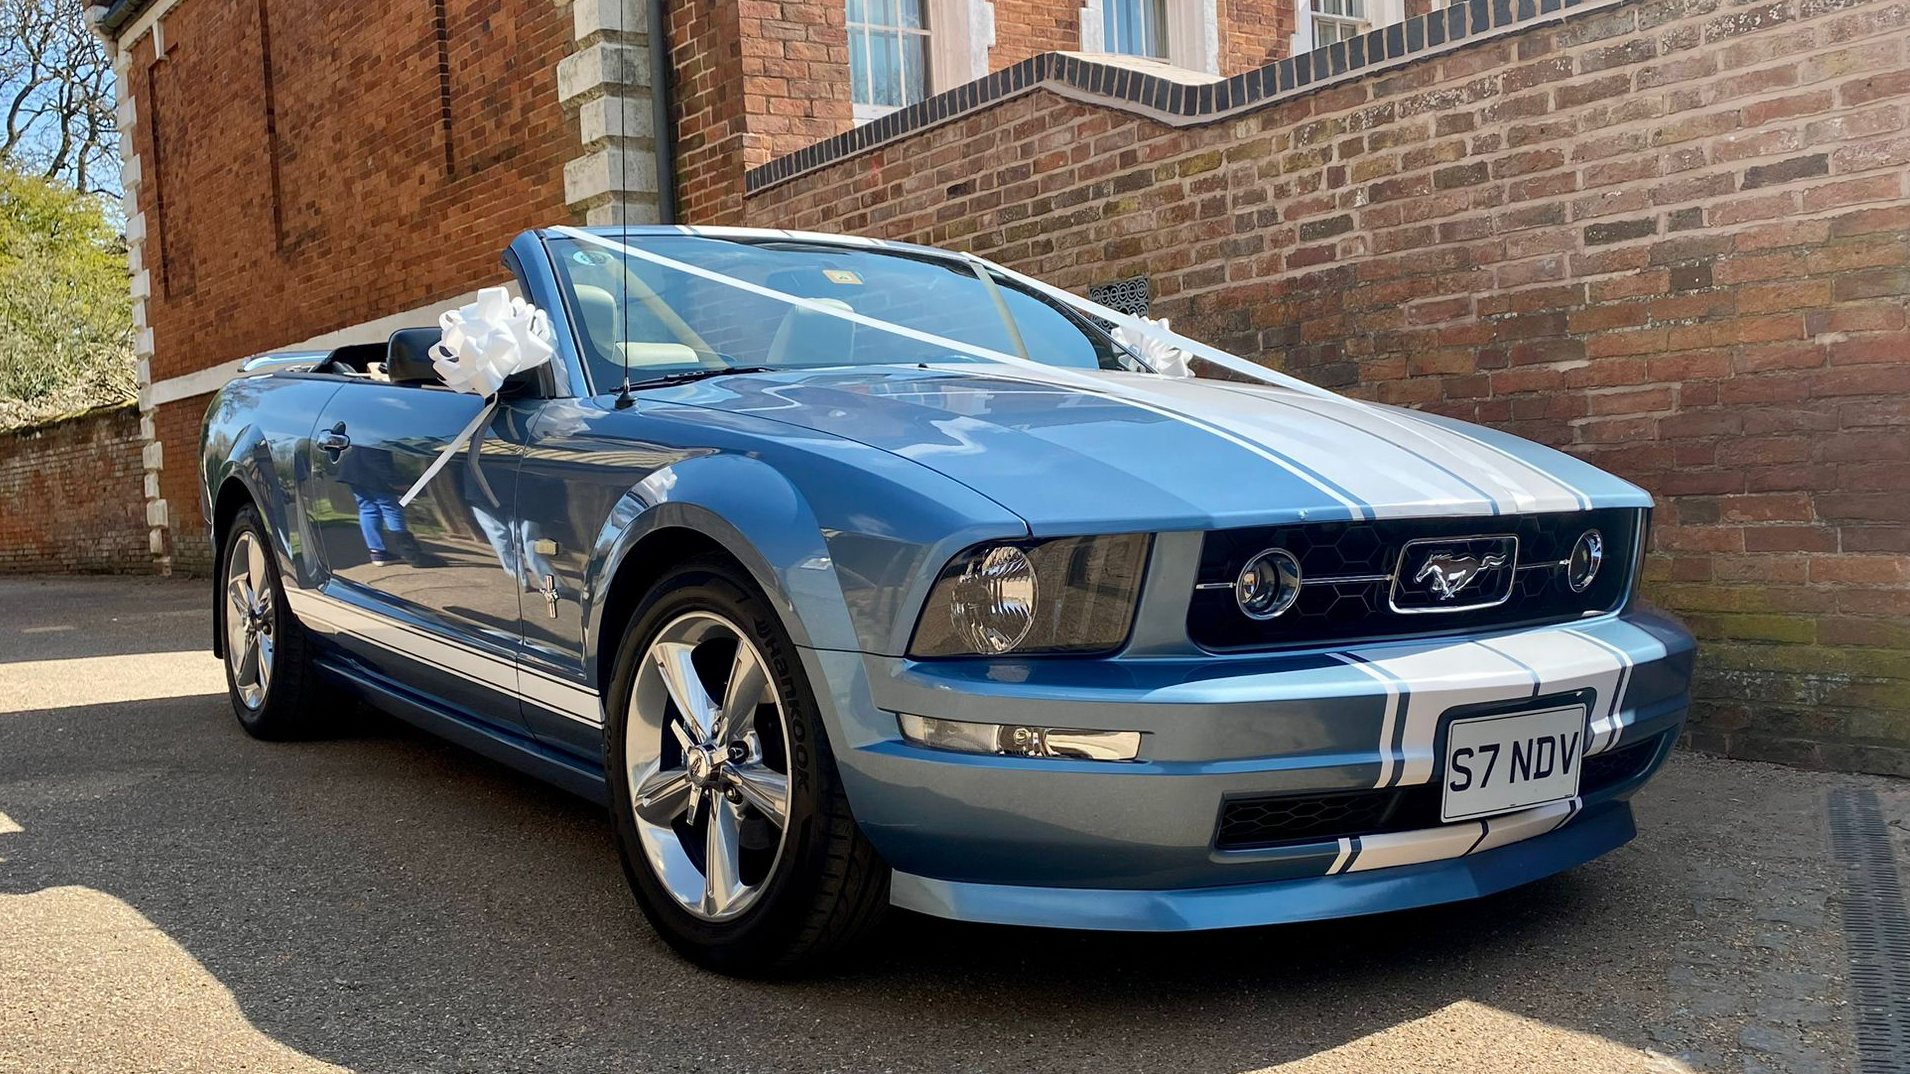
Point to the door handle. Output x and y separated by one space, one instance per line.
334 441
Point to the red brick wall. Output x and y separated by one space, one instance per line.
70 496
385 181
755 79
1025 28
1254 33
1670 237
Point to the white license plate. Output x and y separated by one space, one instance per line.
1515 760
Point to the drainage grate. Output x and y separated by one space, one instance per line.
1876 932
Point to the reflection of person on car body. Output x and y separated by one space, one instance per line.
373 481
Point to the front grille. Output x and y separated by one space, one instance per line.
1347 591
1278 820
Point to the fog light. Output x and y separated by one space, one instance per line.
1268 584
1587 555
1017 740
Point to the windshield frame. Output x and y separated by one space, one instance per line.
994 280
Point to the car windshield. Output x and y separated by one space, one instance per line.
645 321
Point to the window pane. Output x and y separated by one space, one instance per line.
881 12
859 67
885 74
857 13
1133 27
911 13
914 67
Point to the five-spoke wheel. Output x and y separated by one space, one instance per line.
249 622
706 742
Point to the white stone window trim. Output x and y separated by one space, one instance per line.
1192 26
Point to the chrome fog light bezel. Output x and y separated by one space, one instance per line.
1285 579
1019 740
1592 544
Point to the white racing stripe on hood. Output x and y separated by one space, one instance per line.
1523 487
1379 468
1353 500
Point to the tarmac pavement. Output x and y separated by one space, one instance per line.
175 896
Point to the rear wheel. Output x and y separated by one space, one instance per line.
273 687
729 813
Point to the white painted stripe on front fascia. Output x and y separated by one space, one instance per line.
1611 726
1439 678
204 381
1513 827
1388 721
1568 660
499 673
1411 848
1340 861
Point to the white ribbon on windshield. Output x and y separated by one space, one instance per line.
1164 351
1052 374
484 344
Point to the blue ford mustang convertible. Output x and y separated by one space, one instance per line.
852 574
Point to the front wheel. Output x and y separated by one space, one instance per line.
728 811
275 690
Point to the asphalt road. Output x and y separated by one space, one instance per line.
177 897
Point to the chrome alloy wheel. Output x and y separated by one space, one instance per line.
707 745
249 645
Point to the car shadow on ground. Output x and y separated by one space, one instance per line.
383 900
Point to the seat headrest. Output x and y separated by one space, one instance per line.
408 357
597 308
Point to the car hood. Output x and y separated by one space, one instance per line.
1083 451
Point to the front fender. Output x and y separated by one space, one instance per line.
757 515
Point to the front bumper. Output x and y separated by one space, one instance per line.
1030 841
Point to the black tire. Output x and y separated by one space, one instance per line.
294 701
828 888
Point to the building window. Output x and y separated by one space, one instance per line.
888 55
1135 27
1338 20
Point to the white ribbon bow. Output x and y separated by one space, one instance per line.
1165 358
484 344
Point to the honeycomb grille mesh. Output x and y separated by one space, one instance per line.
1364 554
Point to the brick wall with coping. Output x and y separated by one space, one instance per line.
1671 237
70 498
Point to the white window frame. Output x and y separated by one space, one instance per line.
1192 28
1378 13
959 34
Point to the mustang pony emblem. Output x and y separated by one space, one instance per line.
1450 573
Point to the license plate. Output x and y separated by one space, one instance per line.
1515 760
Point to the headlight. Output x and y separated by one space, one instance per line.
1070 595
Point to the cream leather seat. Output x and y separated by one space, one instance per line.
807 337
601 321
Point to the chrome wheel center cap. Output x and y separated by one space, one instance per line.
704 764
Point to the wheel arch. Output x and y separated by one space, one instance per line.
233 495
732 504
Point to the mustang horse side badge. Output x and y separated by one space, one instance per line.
1451 573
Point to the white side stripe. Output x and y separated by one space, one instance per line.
331 615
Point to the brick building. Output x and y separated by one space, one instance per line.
1671 236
